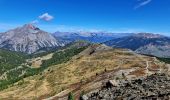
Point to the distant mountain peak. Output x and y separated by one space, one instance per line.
28 39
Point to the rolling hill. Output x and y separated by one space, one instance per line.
85 71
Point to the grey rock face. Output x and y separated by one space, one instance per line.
27 39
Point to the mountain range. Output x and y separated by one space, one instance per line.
144 43
94 37
30 39
78 68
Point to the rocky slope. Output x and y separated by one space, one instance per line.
144 43
27 39
154 87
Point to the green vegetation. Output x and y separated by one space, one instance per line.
70 96
10 63
10 67
58 58
62 56
166 60
9 60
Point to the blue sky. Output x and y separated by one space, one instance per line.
88 15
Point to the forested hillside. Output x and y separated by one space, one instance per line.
13 66
10 67
10 60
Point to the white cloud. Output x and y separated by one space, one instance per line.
46 17
142 3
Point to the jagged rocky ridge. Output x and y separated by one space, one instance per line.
27 39
154 87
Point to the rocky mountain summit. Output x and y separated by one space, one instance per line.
154 87
27 39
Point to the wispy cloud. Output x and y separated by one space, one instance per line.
142 3
46 17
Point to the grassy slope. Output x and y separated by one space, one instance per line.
80 69
12 70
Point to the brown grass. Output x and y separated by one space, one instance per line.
80 69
